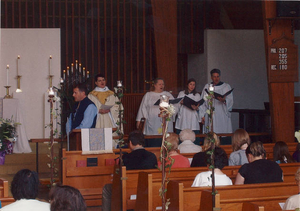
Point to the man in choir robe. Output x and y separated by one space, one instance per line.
223 106
84 112
105 100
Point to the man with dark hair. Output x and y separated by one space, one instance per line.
139 158
84 112
25 188
222 105
105 101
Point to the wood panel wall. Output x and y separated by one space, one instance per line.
115 38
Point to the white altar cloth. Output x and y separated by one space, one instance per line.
11 108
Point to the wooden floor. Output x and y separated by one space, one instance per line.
16 162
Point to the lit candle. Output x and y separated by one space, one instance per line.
79 68
83 72
68 70
18 64
7 69
119 83
87 74
72 66
64 74
50 64
76 64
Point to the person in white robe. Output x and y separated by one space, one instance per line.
223 106
150 111
105 100
187 118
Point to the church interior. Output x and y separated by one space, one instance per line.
62 42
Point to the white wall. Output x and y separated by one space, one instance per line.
34 47
240 55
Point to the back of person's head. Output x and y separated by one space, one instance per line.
66 198
220 158
297 176
187 134
281 153
25 185
207 142
81 87
136 137
239 138
173 139
256 149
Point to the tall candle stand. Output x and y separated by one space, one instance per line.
7 96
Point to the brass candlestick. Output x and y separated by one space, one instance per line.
7 96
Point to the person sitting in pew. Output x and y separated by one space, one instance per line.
240 142
139 158
199 158
259 169
187 136
281 153
179 160
66 198
25 188
293 202
205 178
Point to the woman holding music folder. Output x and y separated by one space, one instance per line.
149 110
188 117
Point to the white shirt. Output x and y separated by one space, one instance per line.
222 115
204 179
187 118
150 111
27 205
292 203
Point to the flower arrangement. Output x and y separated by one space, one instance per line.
8 130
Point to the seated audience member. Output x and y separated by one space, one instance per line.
66 198
240 142
293 202
179 160
187 136
296 154
205 178
259 169
199 158
138 158
281 153
24 188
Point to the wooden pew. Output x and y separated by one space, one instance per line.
4 189
90 180
229 198
148 188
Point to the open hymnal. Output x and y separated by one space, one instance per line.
188 102
219 95
172 101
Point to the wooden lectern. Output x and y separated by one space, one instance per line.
75 140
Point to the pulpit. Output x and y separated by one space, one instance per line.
75 140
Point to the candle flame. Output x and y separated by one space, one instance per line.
50 56
19 57
72 64
64 71
7 66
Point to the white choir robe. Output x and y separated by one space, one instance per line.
187 118
221 115
150 111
